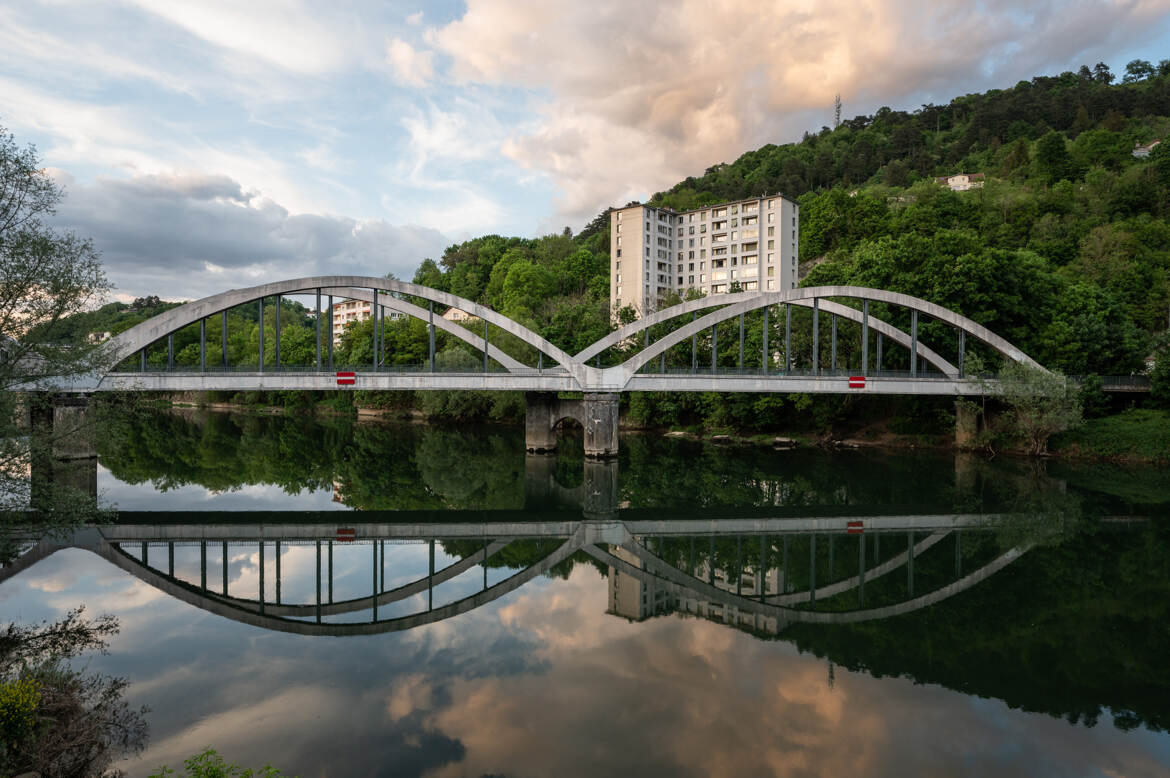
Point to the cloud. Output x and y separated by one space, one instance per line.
189 235
634 97
411 67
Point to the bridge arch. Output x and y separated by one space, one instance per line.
743 302
158 327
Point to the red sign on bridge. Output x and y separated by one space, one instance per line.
856 382
346 378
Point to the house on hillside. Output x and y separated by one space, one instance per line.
961 182
1141 152
454 314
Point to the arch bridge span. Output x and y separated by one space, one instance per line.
726 352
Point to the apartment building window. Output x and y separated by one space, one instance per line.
771 272
690 217
702 228
733 234
719 251
771 204
619 216
719 225
702 266
793 221
680 280
702 253
735 209
617 266
715 214
691 279
750 259
771 257
661 279
751 286
661 266
618 279
771 231
703 216
647 251
662 242
619 291
690 255
719 275
771 245
721 238
619 241
691 266
751 207
718 263
771 285
691 243
753 246
680 256
718 288
619 252
702 278
750 220
794 234
619 228
771 217
680 232
735 222
692 230
702 241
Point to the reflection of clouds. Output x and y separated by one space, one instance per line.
543 682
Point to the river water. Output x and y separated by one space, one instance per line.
346 599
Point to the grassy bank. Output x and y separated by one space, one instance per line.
1136 435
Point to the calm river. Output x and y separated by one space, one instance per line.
344 599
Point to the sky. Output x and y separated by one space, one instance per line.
212 145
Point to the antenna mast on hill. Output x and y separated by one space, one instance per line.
837 111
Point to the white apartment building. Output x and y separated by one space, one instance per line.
750 242
349 311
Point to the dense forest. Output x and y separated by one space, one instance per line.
1065 249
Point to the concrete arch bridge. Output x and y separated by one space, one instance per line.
625 360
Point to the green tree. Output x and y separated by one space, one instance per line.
1039 404
1052 158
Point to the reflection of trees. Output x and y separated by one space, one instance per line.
78 724
1071 630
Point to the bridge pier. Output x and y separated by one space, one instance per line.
63 445
968 424
597 413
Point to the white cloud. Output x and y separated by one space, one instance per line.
411 67
640 95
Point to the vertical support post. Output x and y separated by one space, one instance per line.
203 565
171 559
225 568
329 593
910 562
741 341
317 360
738 564
382 565
913 343
382 334
764 351
145 555
646 343
318 551
330 340
784 566
763 568
864 337
261 352
203 345
714 346
431 334
816 345
833 363
374 576
171 351
694 346
812 569
431 577
374 315
878 365
276 353
261 576
484 563
142 360
485 347
278 572
962 351
223 337
861 569
711 562
787 338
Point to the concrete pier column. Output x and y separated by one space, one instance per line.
966 425
600 412
64 448
540 418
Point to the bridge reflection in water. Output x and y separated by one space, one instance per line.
754 573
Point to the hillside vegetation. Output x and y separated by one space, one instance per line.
1065 251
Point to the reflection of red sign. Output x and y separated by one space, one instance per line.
855 527
856 382
345 535
346 379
